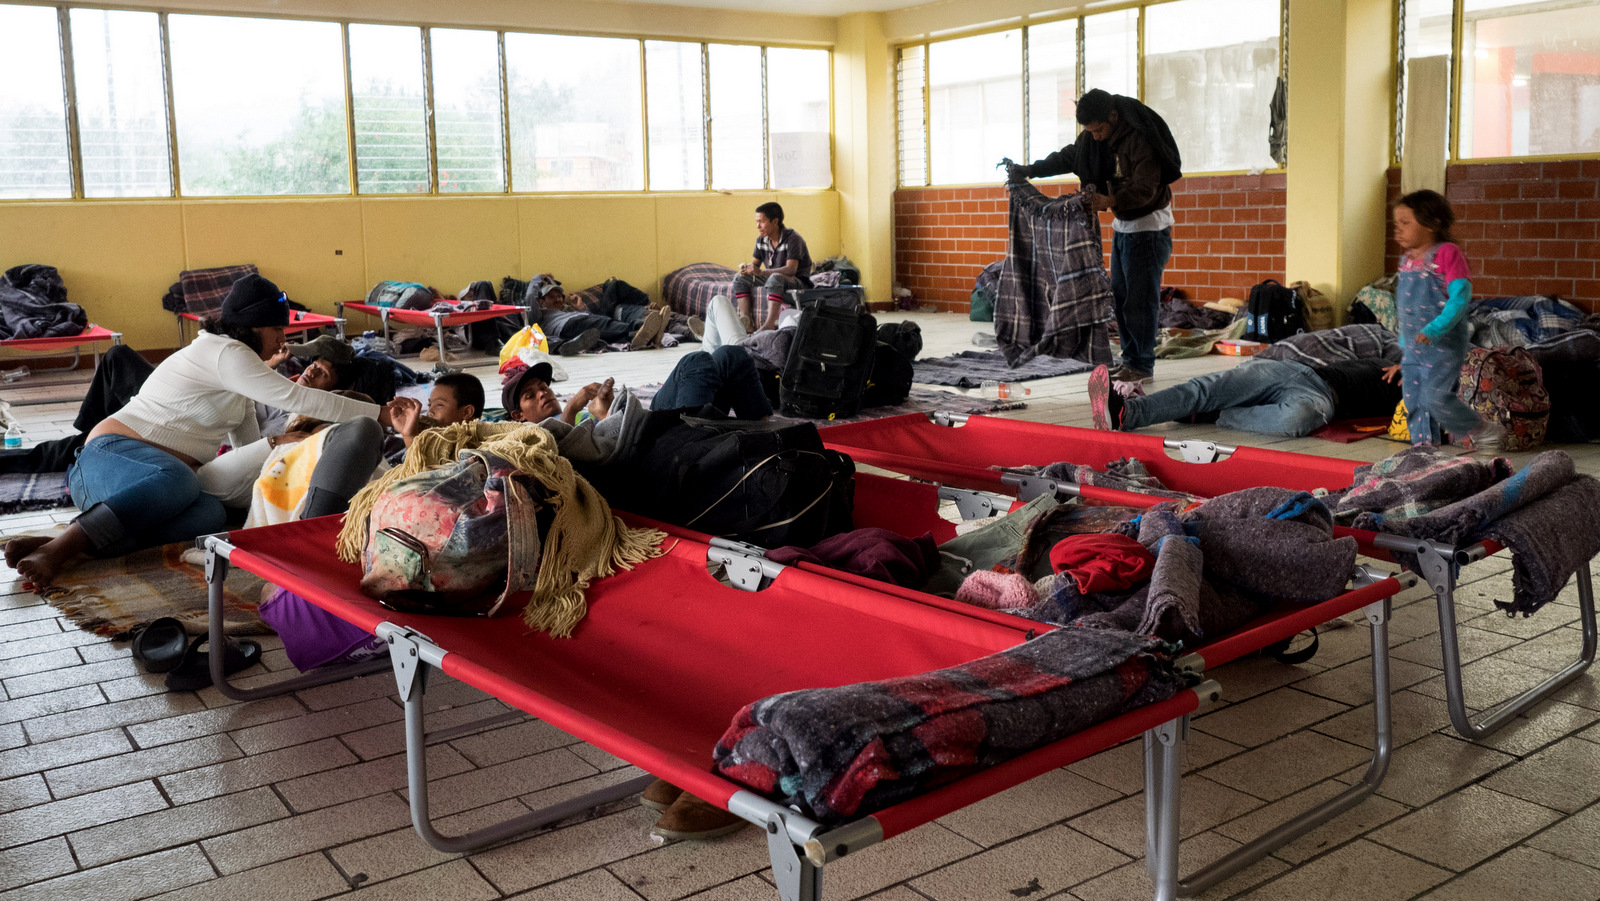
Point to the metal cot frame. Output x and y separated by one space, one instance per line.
439 320
298 322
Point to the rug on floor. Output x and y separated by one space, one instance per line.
1349 431
21 491
115 595
971 368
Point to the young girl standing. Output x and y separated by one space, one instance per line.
1431 300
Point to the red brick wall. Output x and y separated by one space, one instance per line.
1527 228
1228 237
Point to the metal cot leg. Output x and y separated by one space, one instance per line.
1164 773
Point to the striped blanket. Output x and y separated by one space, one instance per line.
689 290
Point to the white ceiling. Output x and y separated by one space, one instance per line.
798 7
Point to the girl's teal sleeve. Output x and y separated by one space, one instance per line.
1455 309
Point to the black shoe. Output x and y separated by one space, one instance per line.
583 342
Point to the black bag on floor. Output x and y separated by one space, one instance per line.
1275 313
767 483
890 382
828 366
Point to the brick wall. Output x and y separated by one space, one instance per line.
1228 237
1527 228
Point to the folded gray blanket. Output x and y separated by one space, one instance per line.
1273 543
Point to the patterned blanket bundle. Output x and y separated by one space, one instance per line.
840 753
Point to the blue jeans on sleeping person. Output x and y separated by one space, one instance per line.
725 378
134 495
1272 397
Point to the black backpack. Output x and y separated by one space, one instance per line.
890 382
768 483
1274 313
832 356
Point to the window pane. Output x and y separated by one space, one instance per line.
34 161
575 113
675 84
1210 70
391 125
911 79
122 103
797 117
975 106
240 132
1530 79
466 108
736 121
1427 31
1052 87
1111 52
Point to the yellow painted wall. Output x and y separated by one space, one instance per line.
118 258
864 148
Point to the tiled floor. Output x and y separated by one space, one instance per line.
111 788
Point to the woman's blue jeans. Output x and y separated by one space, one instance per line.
134 495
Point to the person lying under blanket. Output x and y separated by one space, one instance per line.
573 328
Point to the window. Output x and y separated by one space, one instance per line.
738 128
675 99
1111 52
974 106
466 109
251 123
1530 78
575 113
386 85
34 160
797 118
122 103
1210 70
1052 87
911 80
1426 30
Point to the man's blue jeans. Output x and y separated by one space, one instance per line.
725 378
135 495
1137 260
1272 397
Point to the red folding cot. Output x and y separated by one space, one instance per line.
969 456
625 684
94 334
439 321
299 321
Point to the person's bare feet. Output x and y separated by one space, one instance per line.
23 545
41 566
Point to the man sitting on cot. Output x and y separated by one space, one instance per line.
779 264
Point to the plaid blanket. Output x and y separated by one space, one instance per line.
1364 341
839 753
1520 321
204 289
1055 296
21 491
689 290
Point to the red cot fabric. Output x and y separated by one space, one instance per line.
87 336
301 322
665 657
424 318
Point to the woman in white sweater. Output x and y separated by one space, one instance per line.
151 475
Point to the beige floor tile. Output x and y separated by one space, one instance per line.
1490 681
1463 829
54 702
683 868
1544 724
1472 644
125 880
1351 683
1583 691
532 862
1411 716
12 736
566 791
1370 812
1287 765
35 862
1132 880
1551 652
1573 837
39 663
402 851
1261 719
350 691
210 722
754 888
23 791
454 881
302 879
874 869
36 628
595 885
1122 768
257 769
1040 863
29 613
1523 873
329 827
107 716
1245 678
1434 765
60 817
1549 618
1202 802
1050 798
62 752
302 729
1343 642
600 760
1560 776
175 826
476 788
138 685
390 738
1412 622
365 779
1359 871
121 769
55 680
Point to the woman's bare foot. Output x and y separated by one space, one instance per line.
23 545
45 561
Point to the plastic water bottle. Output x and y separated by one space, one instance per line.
13 435
989 389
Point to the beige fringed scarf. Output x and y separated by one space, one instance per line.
585 540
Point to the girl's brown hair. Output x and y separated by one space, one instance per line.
1433 213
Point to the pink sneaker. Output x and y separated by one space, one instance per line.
1100 398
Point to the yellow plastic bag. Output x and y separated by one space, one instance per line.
1398 430
529 336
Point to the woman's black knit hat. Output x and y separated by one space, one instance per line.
254 302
